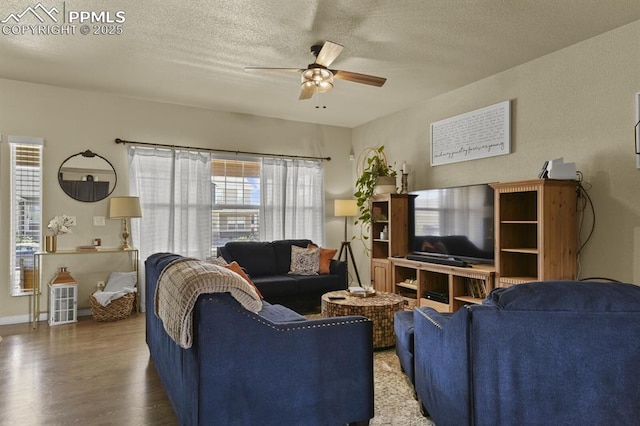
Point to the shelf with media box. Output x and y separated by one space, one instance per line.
445 288
536 231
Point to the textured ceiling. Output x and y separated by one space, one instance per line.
193 53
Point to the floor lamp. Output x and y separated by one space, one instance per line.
347 208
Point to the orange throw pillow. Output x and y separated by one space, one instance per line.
238 270
325 258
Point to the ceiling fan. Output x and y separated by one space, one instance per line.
317 77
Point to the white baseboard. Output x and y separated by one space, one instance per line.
19 319
44 316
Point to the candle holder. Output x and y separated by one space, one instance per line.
405 183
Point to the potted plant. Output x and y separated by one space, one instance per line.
376 177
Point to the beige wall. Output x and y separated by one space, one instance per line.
71 121
577 103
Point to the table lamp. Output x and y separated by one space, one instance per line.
347 208
124 208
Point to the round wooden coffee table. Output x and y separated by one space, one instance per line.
379 308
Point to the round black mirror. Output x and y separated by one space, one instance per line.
87 176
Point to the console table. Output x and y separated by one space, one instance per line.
39 258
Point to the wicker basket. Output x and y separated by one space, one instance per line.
116 310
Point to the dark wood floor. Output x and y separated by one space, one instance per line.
87 373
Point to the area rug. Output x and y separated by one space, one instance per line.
394 403
394 400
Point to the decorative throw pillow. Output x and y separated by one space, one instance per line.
233 266
325 258
118 281
304 261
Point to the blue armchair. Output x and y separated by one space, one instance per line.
561 353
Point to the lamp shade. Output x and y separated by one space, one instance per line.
123 207
345 208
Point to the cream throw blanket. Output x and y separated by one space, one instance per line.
179 286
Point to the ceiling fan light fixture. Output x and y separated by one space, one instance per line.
319 79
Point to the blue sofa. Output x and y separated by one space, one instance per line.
273 367
268 264
561 353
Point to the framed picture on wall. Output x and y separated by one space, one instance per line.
485 132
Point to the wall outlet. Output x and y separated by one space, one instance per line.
101 285
98 221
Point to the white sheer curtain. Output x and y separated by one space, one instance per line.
292 200
175 194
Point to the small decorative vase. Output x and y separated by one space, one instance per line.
51 243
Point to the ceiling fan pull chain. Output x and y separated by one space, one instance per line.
317 93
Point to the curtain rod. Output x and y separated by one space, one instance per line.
226 151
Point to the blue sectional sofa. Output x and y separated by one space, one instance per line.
560 353
268 265
273 367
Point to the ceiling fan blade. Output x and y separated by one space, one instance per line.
259 69
306 93
355 77
328 53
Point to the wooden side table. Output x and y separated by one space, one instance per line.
379 308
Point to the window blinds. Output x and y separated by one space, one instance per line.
26 203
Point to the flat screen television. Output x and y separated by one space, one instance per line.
455 223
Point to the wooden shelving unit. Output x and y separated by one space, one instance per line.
536 230
415 281
535 240
390 211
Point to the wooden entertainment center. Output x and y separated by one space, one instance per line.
442 287
535 240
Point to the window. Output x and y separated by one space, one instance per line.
175 195
26 202
266 199
196 202
292 200
236 200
